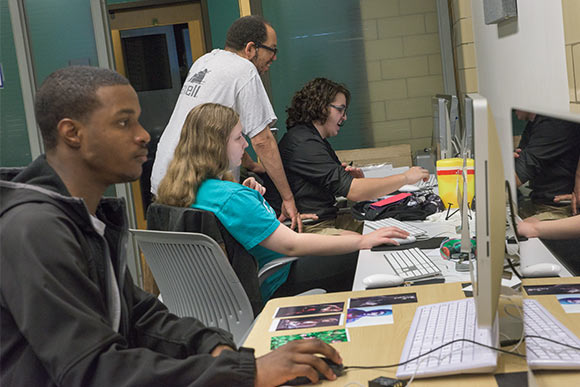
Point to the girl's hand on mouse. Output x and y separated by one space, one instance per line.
382 236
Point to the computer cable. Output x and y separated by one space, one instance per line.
517 342
434 350
457 341
425 355
512 266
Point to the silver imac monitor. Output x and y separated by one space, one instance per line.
467 135
490 214
445 125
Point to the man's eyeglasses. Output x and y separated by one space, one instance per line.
341 109
271 49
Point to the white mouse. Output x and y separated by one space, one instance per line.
405 241
382 281
408 188
541 270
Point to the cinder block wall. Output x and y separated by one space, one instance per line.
463 48
571 14
404 69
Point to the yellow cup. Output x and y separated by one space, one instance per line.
449 178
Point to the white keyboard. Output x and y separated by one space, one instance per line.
437 324
544 354
388 222
432 182
412 264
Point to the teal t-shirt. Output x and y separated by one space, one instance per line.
250 220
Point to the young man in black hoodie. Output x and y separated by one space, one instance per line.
70 313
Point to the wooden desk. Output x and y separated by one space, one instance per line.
383 344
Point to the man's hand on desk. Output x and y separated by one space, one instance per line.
295 359
382 236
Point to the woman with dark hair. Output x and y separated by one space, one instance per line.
314 172
211 143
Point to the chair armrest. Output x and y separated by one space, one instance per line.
273 266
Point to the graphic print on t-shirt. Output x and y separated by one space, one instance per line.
193 84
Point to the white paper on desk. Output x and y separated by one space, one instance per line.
384 170
378 170
570 302
370 315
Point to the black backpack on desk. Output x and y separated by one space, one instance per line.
162 217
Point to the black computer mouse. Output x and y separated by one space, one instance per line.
338 370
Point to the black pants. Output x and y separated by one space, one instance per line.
333 273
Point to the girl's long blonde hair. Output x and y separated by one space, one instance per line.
201 154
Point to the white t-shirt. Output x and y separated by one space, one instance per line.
220 77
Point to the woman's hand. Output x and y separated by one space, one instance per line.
382 236
250 182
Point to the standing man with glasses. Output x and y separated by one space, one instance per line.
231 77
314 172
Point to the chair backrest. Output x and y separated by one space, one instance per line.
196 279
185 219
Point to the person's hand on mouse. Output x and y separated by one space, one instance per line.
528 227
382 236
295 359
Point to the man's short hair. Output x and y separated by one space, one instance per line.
247 29
70 93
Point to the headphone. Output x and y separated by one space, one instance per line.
450 249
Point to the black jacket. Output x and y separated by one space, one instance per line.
314 173
55 324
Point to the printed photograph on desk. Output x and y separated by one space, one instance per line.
570 303
306 322
382 300
305 310
536 290
333 336
370 315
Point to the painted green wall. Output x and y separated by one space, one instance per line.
320 39
14 145
222 14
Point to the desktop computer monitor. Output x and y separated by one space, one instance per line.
490 214
445 125
467 135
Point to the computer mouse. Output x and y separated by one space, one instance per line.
408 188
405 241
338 370
382 281
541 270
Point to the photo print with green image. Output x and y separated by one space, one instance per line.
333 336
